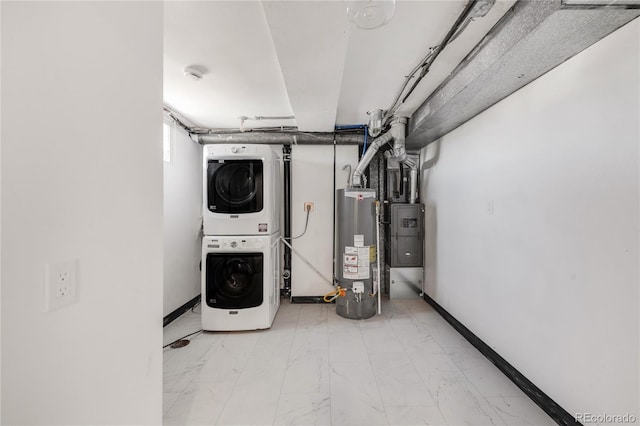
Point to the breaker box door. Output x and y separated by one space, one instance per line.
407 252
407 220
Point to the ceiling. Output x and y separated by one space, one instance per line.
304 59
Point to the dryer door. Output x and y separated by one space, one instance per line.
235 186
234 281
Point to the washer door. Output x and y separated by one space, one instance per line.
235 186
234 281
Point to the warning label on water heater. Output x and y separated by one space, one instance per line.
356 263
351 259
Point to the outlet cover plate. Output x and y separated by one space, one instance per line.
61 284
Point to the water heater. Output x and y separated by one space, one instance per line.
355 250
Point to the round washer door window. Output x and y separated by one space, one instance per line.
234 281
237 277
235 184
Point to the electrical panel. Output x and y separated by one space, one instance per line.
405 235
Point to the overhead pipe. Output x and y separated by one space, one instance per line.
281 135
470 10
286 138
244 118
357 127
351 127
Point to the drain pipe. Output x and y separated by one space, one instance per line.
286 273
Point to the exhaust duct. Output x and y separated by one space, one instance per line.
356 179
398 130
399 153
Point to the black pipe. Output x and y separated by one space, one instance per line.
286 155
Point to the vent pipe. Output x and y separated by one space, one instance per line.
397 135
398 130
356 180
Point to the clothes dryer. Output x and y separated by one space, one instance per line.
241 190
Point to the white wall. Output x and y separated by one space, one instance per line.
312 179
532 227
182 221
82 178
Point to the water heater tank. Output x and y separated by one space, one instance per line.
356 252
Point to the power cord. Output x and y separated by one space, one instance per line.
306 223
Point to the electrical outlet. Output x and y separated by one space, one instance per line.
61 286
308 206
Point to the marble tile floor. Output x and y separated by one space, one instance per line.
404 367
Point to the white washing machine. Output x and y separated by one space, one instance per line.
241 190
240 282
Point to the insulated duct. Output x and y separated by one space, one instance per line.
279 138
532 38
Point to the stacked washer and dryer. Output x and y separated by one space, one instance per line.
241 247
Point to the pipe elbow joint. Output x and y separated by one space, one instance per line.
356 179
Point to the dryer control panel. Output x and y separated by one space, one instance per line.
235 243
230 151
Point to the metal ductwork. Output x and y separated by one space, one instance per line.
398 130
356 179
399 153
279 138
531 39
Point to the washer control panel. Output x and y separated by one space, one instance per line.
235 243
